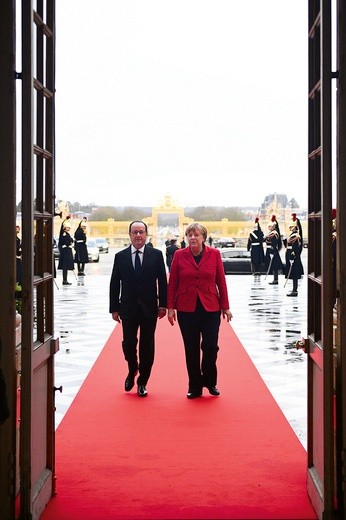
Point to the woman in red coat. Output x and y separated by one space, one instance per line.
197 290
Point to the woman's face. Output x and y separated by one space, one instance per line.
195 240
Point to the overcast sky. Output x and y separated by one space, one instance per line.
202 99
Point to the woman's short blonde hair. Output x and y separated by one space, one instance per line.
197 227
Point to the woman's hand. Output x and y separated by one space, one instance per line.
226 313
171 316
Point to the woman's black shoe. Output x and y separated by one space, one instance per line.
142 391
213 390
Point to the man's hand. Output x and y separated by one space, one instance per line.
161 312
115 316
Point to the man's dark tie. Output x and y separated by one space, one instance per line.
138 265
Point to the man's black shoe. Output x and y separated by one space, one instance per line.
130 381
213 390
66 283
274 282
142 391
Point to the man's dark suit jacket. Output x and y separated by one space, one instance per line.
149 290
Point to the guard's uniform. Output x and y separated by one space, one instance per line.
273 260
296 221
81 256
255 246
294 266
65 245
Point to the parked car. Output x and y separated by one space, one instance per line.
102 244
93 250
237 261
225 242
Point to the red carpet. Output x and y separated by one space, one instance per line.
166 457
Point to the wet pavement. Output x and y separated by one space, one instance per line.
267 322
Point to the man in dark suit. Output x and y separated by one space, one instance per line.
170 250
138 296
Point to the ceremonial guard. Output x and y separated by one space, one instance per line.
65 245
81 256
273 243
255 246
170 250
296 220
294 266
276 225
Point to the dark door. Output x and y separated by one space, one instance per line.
326 436
340 278
38 346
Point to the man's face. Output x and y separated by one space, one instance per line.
138 235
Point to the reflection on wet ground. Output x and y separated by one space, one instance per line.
83 324
267 322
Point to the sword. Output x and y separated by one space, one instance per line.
270 264
289 271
